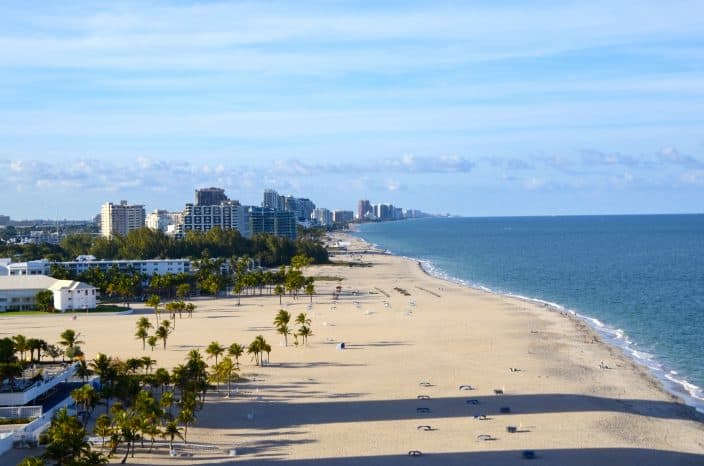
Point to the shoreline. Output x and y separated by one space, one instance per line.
419 352
598 330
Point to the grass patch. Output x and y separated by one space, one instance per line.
328 278
351 264
6 421
100 308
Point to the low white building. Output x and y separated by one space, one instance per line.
19 293
83 263
70 295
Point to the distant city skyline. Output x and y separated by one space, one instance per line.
472 108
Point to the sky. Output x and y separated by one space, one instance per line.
476 108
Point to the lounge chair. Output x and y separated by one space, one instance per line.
511 429
498 391
481 417
466 387
485 437
423 397
414 453
472 402
425 384
424 428
422 410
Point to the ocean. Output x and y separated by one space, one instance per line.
638 280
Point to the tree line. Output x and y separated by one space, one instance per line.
144 243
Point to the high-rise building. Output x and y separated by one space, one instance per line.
364 209
162 220
322 216
210 196
383 211
227 215
120 219
4 220
275 222
272 200
342 216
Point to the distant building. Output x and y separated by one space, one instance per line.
210 196
384 211
162 219
322 217
120 219
272 200
300 206
19 293
4 220
364 209
84 263
228 215
275 222
342 216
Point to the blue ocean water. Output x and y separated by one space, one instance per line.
638 279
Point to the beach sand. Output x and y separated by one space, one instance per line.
319 405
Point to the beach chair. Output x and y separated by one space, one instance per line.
414 453
422 410
472 402
424 428
466 387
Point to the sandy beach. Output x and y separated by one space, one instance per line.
411 342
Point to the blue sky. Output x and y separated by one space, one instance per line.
473 108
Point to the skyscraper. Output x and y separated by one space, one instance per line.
210 196
120 219
364 208
272 200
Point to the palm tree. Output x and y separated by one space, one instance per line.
154 301
53 351
190 307
279 290
186 416
142 334
171 431
281 322
236 350
226 369
32 461
20 345
302 319
103 428
88 397
163 333
83 371
167 402
214 350
305 332
310 291
69 339
147 363
266 347
254 349
152 341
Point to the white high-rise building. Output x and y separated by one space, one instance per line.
162 219
120 219
322 216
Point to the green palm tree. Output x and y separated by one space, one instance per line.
302 319
163 333
279 290
171 431
281 322
310 291
152 341
226 369
142 334
69 339
186 416
103 428
254 349
236 350
214 350
305 332
32 461
21 345
190 307
154 301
